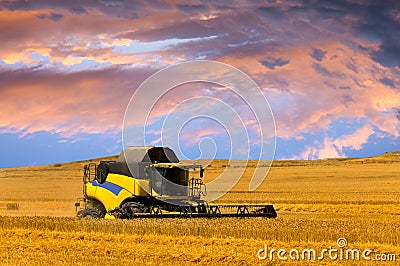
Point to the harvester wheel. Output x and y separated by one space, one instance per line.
89 213
92 204
130 209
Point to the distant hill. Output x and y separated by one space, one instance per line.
386 157
392 154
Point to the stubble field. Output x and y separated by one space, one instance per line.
317 203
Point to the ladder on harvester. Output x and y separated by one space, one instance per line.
89 174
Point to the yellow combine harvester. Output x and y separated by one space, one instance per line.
152 182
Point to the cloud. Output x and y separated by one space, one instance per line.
188 9
318 54
77 10
388 82
336 148
271 62
353 141
69 103
52 16
315 61
320 151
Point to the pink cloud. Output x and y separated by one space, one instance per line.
316 64
354 141
320 151
89 102
334 148
312 98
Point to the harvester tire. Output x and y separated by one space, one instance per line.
90 213
130 209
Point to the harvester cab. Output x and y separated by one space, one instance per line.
150 182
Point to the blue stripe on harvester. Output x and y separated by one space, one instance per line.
115 189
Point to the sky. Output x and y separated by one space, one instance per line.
330 71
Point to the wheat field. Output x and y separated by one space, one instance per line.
317 203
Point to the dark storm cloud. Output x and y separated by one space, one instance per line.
388 82
352 66
318 54
52 16
388 55
15 5
113 2
374 22
77 10
188 9
180 30
344 88
271 62
274 14
346 99
322 70
113 8
326 72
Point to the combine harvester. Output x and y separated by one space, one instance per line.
150 182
